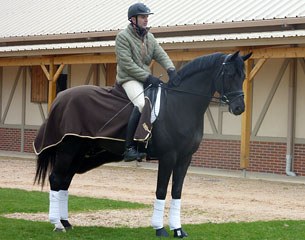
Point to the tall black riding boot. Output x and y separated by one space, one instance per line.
131 152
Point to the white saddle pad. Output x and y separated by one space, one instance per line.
156 107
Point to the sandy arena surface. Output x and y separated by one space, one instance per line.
206 198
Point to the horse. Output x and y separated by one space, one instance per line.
176 135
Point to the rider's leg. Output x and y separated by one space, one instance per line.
135 93
131 152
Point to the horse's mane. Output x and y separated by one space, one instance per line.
199 64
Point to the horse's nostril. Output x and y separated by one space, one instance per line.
238 110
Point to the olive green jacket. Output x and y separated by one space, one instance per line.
134 55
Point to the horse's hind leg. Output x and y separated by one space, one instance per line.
60 179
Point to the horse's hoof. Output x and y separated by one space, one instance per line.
179 233
56 229
59 227
162 232
66 225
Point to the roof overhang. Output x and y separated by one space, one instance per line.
279 24
214 41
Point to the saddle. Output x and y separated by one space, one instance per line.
151 109
149 114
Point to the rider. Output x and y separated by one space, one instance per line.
135 48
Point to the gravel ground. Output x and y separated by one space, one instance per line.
206 198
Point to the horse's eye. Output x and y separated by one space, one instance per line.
230 71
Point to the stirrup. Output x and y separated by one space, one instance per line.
131 154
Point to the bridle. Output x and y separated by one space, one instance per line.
227 97
224 98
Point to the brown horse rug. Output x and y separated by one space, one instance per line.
91 112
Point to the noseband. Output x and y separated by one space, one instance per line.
228 97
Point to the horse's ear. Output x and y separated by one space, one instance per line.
246 56
233 56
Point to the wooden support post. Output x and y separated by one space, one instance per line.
110 74
96 74
246 118
52 86
256 68
52 77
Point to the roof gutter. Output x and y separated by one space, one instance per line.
291 119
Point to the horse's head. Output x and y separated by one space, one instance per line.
230 82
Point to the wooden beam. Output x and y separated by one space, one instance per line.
182 55
246 119
24 61
70 59
175 55
96 74
58 72
110 74
270 96
85 59
52 86
256 68
288 52
45 70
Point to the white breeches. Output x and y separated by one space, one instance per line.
135 92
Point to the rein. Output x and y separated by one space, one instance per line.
222 99
225 98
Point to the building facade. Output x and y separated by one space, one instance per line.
36 63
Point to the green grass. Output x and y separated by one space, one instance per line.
13 200
16 200
13 229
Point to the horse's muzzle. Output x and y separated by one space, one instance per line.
238 110
237 107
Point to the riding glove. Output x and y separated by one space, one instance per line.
173 77
154 81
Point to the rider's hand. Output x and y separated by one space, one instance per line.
154 81
173 77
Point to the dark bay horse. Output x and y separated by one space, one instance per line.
176 136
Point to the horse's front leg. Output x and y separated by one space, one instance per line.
179 173
165 168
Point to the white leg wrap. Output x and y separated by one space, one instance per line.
54 215
63 204
174 214
157 217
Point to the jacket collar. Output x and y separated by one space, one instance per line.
139 33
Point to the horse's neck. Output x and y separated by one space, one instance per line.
191 99
200 88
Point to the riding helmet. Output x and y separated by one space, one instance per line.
138 9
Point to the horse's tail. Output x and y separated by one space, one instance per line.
44 165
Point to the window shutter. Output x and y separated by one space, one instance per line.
39 85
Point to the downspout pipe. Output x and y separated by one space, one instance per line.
291 119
